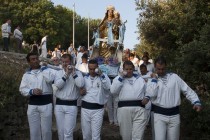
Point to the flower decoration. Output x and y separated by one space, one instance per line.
113 61
100 60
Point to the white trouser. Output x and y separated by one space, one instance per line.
132 122
112 105
40 121
152 124
91 122
66 117
166 127
54 92
149 117
148 110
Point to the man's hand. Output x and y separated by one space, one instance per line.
122 73
197 108
145 101
82 91
98 71
154 75
44 63
73 70
69 69
37 91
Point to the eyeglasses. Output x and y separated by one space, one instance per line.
55 60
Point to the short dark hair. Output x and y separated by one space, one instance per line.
93 61
85 56
137 57
146 53
143 66
30 54
128 63
145 56
66 56
160 60
132 55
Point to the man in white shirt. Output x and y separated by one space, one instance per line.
6 32
131 114
97 85
79 55
70 49
44 47
150 66
37 85
56 53
83 67
144 73
18 37
164 92
68 81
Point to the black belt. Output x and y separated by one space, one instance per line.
130 103
165 111
88 105
66 102
40 99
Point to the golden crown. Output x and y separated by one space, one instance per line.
110 7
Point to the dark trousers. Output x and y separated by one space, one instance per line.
18 44
6 44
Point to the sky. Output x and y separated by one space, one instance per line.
96 9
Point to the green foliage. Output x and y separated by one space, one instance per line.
195 125
38 18
169 25
180 30
194 58
13 106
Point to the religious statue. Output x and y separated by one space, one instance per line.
109 36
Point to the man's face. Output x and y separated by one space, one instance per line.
92 68
34 62
9 22
143 70
65 62
82 49
129 70
131 57
84 60
160 69
145 59
56 61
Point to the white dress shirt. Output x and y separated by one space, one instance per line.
165 91
96 89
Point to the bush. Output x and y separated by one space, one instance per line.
195 125
13 106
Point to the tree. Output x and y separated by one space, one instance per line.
38 18
180 30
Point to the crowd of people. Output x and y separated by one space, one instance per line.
142 92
